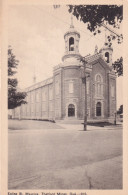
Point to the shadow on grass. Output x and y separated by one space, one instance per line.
100 124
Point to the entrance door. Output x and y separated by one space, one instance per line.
71 110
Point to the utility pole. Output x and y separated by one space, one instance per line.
115 118
84 79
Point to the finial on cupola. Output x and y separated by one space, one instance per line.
71 26
96 49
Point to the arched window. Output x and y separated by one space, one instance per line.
98 78
98 109
107 57
71 110
99 90
71 44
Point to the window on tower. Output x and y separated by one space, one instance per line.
107 57
71 87
71 44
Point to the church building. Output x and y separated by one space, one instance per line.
62 96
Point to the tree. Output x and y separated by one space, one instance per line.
120 110
118 66
15 98
95 16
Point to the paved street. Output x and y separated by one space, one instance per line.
60 156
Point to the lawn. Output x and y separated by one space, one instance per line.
31 124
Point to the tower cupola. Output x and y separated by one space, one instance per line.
106 52
71 38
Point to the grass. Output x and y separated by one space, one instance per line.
100 124
32 124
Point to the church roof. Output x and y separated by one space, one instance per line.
105 47
40 84
92 59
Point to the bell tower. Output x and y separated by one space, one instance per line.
71 38
106 52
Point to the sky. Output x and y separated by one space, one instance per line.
36 35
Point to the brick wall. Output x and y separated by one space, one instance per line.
51 101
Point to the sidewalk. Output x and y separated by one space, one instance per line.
26 125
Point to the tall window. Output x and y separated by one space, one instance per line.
98 109
27 97
43 106
27 108
57 87
50 106
32 108
37 108
99 85
24 108
32 97
71 87
71 44
107 57
112 91
37 97
50 93
43 94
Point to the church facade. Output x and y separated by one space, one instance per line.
62 96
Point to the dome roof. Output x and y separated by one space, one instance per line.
72 30
106 47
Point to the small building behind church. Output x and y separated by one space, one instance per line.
62 96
